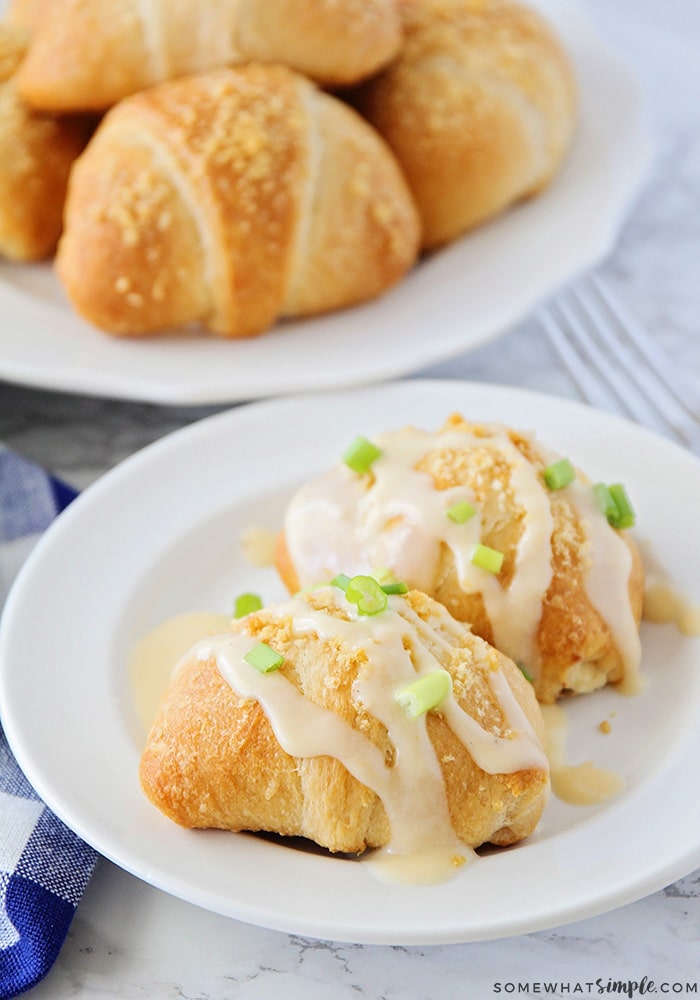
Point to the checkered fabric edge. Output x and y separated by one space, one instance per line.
44 866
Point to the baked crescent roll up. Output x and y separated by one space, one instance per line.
89 54
36 156
322 748
479 108
232 199
558 589
27 13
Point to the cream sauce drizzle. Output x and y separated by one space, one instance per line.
151 661
412 789
578 784
663 605
336 523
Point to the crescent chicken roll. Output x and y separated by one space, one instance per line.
508 536
356 720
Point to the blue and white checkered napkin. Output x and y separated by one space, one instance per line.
44 867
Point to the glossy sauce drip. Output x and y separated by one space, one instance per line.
412 789
578 784
664 605
340 524
494 754
152 658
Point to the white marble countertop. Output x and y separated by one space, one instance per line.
133 941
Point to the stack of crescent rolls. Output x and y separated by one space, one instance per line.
229 164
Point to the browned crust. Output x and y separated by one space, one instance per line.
86 55
333 43
479 109
36 153
27 14
186 206
365 231
183 205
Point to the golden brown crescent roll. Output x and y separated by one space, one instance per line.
232 199
558 589
331 747
89 54
479 109
36 155
27 13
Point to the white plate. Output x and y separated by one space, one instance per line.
457 299
160 535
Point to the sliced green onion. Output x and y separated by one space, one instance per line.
360 455
425 693
625 512
615 504
245 604
461 511
526 673
394 588
488 559
264 658
605 501
341 581
367 594
559 474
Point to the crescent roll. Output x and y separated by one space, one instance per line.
232 199
36 156
27 13
328 745
86 55
466 514
479 108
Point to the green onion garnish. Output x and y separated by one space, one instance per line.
394 588
625 512
264 658
341 581
559 474
360 455
425 693
615 504
367 594
488 559
245 604
461 511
